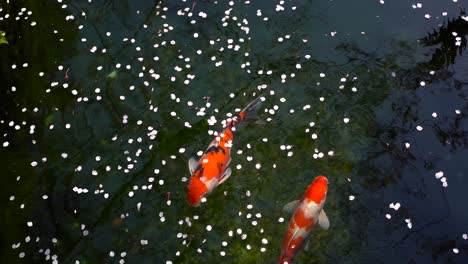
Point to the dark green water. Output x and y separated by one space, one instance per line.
83 180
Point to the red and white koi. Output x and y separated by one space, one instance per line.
212 168
307 213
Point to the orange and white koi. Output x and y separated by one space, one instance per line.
212 168
307 213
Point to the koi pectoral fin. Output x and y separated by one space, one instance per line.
291 206
307 245
192 164
323 220
226 175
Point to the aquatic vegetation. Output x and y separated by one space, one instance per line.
3 39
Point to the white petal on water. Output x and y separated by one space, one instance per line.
395 206
408 223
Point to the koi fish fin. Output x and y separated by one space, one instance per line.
225 176
291 206
323 220
307 245
249 113
192 165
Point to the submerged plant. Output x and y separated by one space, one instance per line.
3 38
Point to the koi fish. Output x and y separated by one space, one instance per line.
307 213
212 168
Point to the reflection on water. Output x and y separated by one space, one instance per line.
103 103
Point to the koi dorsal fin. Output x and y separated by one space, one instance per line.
192 164
323 220
291 206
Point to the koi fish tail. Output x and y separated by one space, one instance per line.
249 113
284 259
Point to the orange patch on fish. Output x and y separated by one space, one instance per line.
317 190
297 242
242 115
212 168
291 246
302 221
196 190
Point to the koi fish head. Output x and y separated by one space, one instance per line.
317 191
196 190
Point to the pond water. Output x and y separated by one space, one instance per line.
104 102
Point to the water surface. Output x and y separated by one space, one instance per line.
104 102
